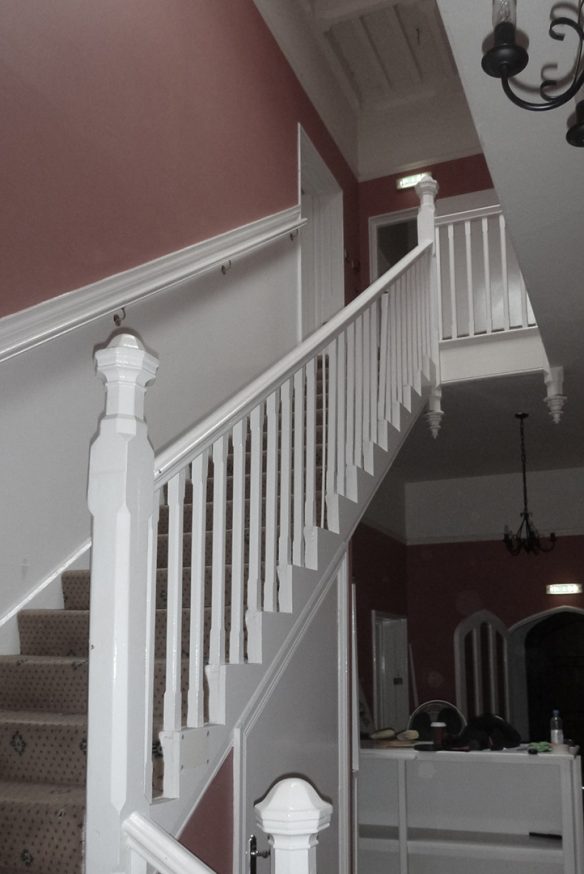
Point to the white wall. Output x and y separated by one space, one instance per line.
478 508
212 334
297 728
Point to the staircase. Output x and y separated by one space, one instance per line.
197 554
43 723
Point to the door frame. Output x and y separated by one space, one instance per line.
322 238
377 618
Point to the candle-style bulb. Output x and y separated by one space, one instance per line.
504 11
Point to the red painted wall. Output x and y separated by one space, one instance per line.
132 130
209 832
449 581
379 572
437 586
379 196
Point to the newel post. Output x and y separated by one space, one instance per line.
426 189
120 497
292 814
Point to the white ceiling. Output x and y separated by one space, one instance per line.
394 64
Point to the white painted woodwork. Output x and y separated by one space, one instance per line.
254 582
270 601
150 844
172 719
298 493
217 654
119 682
454 812
391 698
322 275
293 815
236 648
310 510
196 695
471 696
482 289
39 324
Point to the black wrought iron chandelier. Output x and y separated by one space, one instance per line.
506 59
527 538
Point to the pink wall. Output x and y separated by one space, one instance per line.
436 586
379 196
449 581
379 572
209 832
130 131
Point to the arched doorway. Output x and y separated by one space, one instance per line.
546 660
554 663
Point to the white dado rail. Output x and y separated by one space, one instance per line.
325 407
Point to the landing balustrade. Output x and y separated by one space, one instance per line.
481 288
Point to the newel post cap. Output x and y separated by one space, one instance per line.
427 188
127 369
293 807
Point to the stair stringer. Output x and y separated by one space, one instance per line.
247 681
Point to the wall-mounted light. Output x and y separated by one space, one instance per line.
564 589
506 59
409 181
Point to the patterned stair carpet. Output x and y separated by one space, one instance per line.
43 721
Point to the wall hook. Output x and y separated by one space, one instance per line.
293 234
119 317
226 267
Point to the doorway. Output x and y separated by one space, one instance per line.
554 662
391 237
391 697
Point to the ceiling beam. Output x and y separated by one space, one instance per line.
330 12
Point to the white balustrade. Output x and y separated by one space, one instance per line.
273 463
292 815
481 289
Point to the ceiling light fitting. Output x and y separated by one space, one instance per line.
527 538
506 59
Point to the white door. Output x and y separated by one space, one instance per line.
322 274
390 660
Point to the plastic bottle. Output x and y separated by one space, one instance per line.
556 728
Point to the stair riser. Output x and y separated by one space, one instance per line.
39 753
41 837
59 633
49 686
76 587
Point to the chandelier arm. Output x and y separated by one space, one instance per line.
549 102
